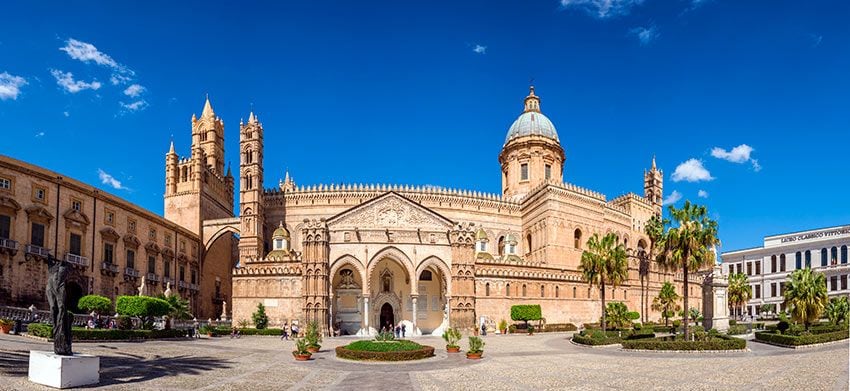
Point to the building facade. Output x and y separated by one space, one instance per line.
768 267
112 244
360 257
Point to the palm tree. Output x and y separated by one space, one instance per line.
654 229
837 310
617 314
739 291
604 262
666 301
694 314
688 246
806 296
179 308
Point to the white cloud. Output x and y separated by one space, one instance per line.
65 113
39 135
602 9
480 49
691 170
135 106
673 198
117 79
739 154
87 53
10 86
134 90
702 194
66 81
109 180
645 35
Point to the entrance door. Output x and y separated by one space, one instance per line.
387 318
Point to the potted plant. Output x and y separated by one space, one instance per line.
208 330
452 336
301 353
476 348
503 326
530 330
313 337
6 325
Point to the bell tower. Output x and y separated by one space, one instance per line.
251 210
208 134
653 185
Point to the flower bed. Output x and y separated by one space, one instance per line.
719 342
802 339
81 334
610 337
399 350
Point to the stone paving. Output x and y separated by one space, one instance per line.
540 362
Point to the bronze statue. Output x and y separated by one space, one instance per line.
58 299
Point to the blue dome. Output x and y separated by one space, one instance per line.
532 122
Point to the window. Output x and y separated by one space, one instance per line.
524 291
167 241
151 264
739 266
39 194
37 235
166 268
574 292
773 263
528 243
278 244
823 257
77 205
799 262
749 269
542 291
808 259
194 276
482 246
152 234
426 276
5 227
110 217
758 267
183 245
844 254
108 252
523 172
556 291
508 289
758 291
249 156
182 272
131 259
249 182
548 171
782 262
76 244
487 289
131 226
843 282
501 245
773 290
833 283
834 253
5 184
781 288
577 239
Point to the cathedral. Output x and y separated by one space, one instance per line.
360 257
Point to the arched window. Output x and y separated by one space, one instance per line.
427 276
577 239
773 263
524 291
542 291
487 289
799 261
557 291
626 243
528 243
574 292
823 257
808 258
782 262
501 244
844 254
625 293
185 176
249 182
835 253
249 156
507 289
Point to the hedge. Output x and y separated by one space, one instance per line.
225 331
664 343
399 345
737 329
526 312
558 327
361 355
800 340
141 306
587 340
46 331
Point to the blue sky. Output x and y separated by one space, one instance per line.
745 103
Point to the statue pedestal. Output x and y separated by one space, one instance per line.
57 371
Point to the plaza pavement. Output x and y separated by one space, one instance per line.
516 362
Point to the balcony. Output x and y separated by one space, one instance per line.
108 268
194 287
77 260
152 277
182 285
32 251
8 246
167 280
129 272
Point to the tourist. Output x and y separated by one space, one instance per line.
483 329
285 334
234 333
403 329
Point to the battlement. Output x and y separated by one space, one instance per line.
568 187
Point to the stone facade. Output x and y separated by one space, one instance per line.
361 256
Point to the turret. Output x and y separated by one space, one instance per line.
208 134
653 186
171 170
251 240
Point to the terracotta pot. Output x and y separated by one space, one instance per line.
504 331
473 356
210 335
302 357
313 349
5 329
452 349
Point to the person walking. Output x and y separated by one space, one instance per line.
285 335
403 330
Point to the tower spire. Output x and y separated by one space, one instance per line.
208 110
532 102
653 163
171 148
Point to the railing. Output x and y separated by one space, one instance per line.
129 271
194 287
109 266
36 250
182 284
153 277
76 259
166 280
8 243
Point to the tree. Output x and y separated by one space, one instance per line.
739 291
837 310
526 312
688 246
617 314
604 262
694 314
143 307
654 229
261 320
95 303
666 302
806 296
179 308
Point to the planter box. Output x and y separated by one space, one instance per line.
302 357
58 371
455 349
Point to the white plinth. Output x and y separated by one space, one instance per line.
57 371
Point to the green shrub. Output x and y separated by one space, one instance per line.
261 320
452 336
95 303
526 312
42 330
253 331
737 329
402 355
313 335
678 343
732 322
783 326
124 322
600 339
476 345
82 334
377 346
637 326
144 307
677 323
552 327
805 339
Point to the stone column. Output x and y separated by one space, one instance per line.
331 312
413 299
366 313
